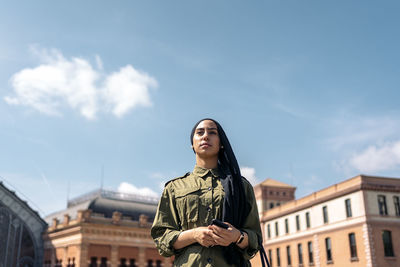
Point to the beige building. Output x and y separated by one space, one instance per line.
103 229
352 223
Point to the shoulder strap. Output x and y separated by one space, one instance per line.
180 177
263 256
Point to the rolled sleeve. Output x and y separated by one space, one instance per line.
251 250
165 243
166 229
252 224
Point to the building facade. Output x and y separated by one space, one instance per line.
103 229
352 223
21 230
272 193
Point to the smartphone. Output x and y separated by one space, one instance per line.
219 223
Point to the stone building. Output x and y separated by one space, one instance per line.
352 223
103 228
21 231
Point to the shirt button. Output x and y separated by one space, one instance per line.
208 209
209 260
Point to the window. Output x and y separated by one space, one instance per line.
289 257
284 193
328 247
270 256
269 231
150 263
387 243
286 226
122 263
300 252
348 208
396 205
278 257
325 213
297 223
353 247
103 262
271 205
382 205
278 204
93 262
132 263
310 252
308 219
276 229
158 263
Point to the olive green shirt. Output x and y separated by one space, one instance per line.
192 201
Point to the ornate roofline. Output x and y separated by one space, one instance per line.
111 195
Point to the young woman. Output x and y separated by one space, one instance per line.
214 190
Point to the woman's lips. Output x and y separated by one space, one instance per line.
205 145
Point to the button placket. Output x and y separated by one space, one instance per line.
210 202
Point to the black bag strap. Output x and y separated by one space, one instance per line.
263 256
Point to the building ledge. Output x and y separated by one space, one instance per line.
390 258
354 259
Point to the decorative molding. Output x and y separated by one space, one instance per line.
317 251
368 248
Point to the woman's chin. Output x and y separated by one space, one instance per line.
206 154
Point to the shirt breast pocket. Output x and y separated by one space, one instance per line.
187 202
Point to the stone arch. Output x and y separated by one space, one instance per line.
22 232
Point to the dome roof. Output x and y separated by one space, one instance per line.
106 202
129 208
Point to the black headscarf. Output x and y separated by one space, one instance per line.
235 207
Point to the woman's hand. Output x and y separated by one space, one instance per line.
201 235
224 237
204 236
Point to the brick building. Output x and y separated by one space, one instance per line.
102 229
352 223
272 193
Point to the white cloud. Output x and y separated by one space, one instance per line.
362 143
250 174
58 82
127 89
352 131
128 188
377 158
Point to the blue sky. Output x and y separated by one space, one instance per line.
307 92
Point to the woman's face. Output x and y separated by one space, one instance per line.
206 141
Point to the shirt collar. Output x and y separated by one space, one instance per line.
200 171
